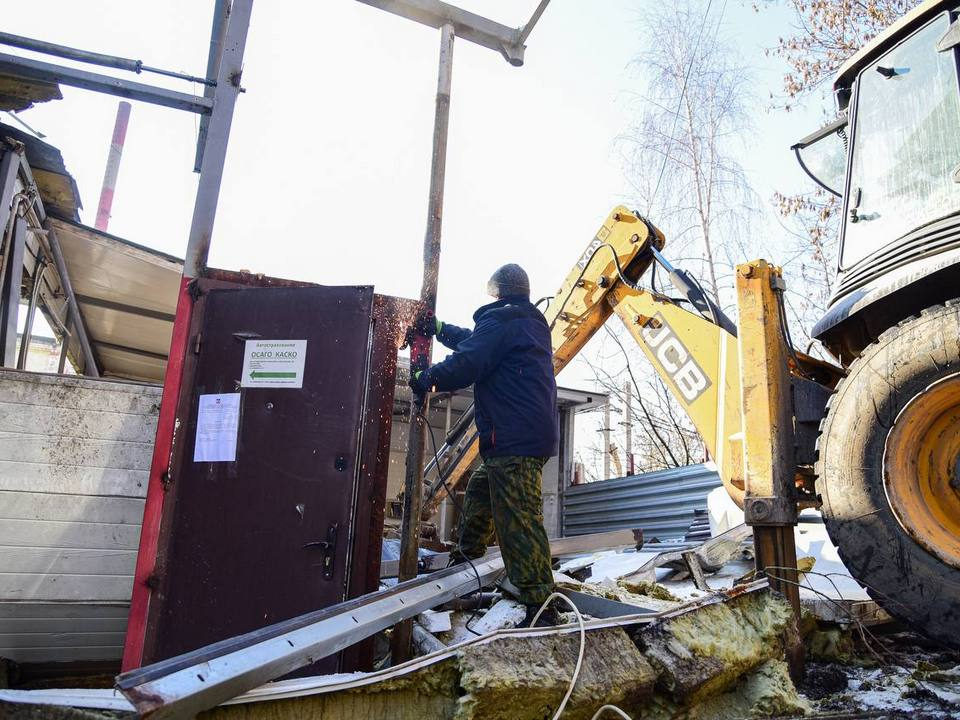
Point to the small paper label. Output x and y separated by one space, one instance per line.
218 421
274 363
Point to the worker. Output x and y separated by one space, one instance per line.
508 359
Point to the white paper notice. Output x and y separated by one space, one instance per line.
218 421
273 363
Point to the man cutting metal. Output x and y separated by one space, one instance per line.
508 359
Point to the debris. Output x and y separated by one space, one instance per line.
505 614
649 589
519 677
435 621
424 642
703 652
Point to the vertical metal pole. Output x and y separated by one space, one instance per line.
413 481
229 69
218 133
9 166
38 271
10 293
65 346
606 441
113 165
628 420
221 11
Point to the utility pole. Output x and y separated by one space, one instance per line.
606 441
509 42
628 424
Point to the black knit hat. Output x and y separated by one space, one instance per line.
509 280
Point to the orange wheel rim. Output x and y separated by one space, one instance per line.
921 469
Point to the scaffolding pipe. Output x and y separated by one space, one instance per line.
38 271
89 362
92 58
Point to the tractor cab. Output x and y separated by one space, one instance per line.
893 157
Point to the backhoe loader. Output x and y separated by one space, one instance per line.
872 440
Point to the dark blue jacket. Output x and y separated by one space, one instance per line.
509 361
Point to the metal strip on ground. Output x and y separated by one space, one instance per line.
199 680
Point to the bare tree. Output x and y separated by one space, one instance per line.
681 162
681 153
825 33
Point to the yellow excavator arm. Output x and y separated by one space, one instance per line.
743 386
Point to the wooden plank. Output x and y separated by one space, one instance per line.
60 588
10 626
43 507
72 611
67 423
73 480
21 447
97 536
23 641
61 654
63 561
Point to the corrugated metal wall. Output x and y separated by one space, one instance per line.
662 503
74 458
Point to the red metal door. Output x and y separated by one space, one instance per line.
269 535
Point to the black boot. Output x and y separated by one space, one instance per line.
548 618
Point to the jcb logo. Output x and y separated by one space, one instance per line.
592 247
675 358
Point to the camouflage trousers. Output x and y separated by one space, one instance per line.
503 495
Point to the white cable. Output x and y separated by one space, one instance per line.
583 645
614 708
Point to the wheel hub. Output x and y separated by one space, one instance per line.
921 469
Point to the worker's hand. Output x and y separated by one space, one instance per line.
427 324
420 382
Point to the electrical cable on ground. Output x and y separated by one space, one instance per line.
583 645
611 708
459 507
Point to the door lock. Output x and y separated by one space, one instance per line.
329 549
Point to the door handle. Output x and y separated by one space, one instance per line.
329 549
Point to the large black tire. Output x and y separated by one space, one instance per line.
903 577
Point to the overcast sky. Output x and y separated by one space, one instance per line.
327 170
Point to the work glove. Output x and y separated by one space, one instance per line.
420 382
427 324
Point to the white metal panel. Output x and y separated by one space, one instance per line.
74 459
42 477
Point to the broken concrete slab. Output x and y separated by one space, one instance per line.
520 678
706 651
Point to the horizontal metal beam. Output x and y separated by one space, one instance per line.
130 350
124 308
92 58
202 679
466 25
57 74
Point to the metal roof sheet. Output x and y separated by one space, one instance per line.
127 295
